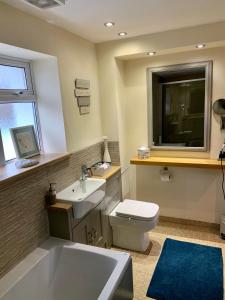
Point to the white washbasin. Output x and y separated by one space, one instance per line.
83 195
62 270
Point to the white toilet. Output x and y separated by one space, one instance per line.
131 220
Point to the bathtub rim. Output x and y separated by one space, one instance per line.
9 280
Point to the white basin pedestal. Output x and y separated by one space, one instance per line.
83 195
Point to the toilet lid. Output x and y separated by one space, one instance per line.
138 210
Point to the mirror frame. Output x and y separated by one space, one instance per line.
208 104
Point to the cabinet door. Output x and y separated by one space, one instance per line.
94 228
80 233
89 230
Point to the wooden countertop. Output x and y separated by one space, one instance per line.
113 170
178 162
60 206
9 172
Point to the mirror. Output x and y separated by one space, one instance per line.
179 98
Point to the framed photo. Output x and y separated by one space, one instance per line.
24 141
82 83
82 93
2 155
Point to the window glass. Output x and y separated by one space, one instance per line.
183 114
179 107
14 115
12 78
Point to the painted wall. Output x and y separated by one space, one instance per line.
76 59
193 193
49 101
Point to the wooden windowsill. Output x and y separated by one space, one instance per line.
177 162
10 173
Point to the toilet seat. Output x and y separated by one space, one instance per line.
137 210
131 220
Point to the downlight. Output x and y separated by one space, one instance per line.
122 33
200 46
46 3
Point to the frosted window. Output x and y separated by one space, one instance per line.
12 78
14 115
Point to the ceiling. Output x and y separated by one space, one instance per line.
137 17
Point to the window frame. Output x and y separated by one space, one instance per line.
208 65
18 94
28 96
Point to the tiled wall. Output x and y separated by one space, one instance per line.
114 152
23 217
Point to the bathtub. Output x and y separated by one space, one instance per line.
62 270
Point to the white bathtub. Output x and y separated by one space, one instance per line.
61 270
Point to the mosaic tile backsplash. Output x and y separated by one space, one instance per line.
23 217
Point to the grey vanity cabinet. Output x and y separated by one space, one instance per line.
94 229
80 232
95 236
89 230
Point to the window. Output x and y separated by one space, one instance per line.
15 79
179 107
17 101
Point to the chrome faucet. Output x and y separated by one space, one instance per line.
84 173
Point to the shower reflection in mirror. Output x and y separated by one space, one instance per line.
179 98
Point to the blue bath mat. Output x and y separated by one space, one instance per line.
187 271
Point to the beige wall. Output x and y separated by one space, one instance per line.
193 193
136 96
174 41
76 59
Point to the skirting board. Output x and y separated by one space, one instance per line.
189 222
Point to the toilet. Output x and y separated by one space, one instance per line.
131 220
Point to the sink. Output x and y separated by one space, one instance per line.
83 195
59 270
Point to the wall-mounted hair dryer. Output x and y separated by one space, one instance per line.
219 109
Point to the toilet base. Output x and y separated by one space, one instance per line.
130 239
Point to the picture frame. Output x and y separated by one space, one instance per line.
82 83
82 93
24 141
2 155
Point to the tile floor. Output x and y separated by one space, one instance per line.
144 264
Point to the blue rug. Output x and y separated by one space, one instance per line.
187 271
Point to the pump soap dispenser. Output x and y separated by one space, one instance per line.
50 197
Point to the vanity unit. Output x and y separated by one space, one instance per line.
92 228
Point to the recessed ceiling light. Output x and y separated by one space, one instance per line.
152 53
109 24
122 33
200 46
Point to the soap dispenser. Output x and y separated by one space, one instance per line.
51 194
